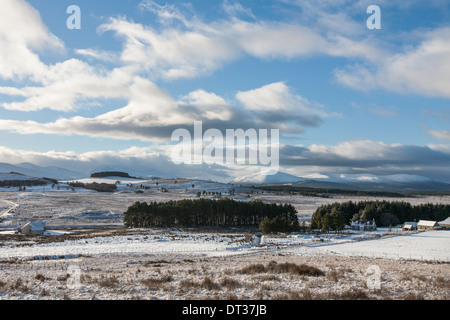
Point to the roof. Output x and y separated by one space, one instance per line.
445 222
427 223
37 226
414 224
365 223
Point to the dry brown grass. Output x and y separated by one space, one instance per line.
209 284
156 283
286 267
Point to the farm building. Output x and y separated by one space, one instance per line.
445 224
364 225
408 226
33 228
426 225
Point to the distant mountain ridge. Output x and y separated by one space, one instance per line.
15 179
409 186
363 182
32 170
265 178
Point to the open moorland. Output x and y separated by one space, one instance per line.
86 253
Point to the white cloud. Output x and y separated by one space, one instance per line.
152 113
134 160
444 148
423 69
356 150
68 84
274 96
21 33
287 111
98 54
236 8
196 48
440 134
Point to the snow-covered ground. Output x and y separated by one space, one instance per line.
85 230
143 244
429 245
90 209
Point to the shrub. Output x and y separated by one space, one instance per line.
353 294
101 187
252 269
230 283
286 267
107 282
40 277
153 283
209 284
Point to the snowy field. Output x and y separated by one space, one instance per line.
85 230
425 246
428 245
64 209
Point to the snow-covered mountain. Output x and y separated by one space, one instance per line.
396 182
37 171
266 178
12 176
371 178
362 181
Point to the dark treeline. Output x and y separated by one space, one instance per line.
326 192
100 187
336 216
22 183
106 174
205 212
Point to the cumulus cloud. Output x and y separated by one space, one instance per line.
63 86
276 103
348 158
422 69
186 50
153 114
69 85
142 161
22 33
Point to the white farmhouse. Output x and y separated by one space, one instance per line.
364 225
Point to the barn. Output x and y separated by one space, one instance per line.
33 228
408 226
445 224
426 225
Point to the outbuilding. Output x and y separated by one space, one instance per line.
33 228
409 226
426 225
445 224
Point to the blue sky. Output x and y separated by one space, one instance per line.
347 100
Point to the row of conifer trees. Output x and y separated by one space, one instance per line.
385 213
206 212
